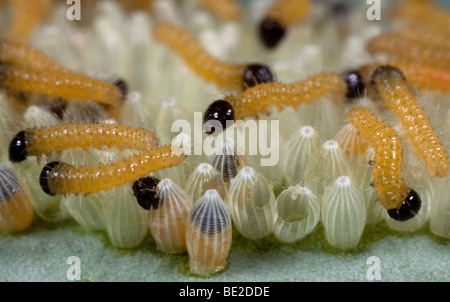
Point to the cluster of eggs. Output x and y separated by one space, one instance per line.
340 165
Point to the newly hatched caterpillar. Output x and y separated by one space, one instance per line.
226 75
46 140
280 16
168 208
208 234
62 178
226 10
26 15
401 202
391 85
16 210
418 75
58 83
259 98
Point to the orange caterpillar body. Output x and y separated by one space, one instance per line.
387 181
258 99
46 140
26 16
410 49
226 75
63 178
226 10
22 54
391 86
67 85
289 12
424 13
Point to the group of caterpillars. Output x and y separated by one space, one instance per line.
26 71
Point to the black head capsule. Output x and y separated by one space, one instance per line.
220 111
18 148
355 84
43 178
409 208
271 32
257 74
123 87
145 191
383 72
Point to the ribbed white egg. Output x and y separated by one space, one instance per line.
203 178
296 214
343 213
251 200
298 150
440 208
126 222
325 167
226 160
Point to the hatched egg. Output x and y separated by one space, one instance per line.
299 149
296 214
251 199
343 213
203 178
168 209
208 234
16 210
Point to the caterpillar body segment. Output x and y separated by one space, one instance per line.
62 178
57 83
226 75
391 85
46 140
259 98
401 202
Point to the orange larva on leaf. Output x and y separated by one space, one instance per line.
401 202
391 85
62 178
280 16
226 75
46 140
16 210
